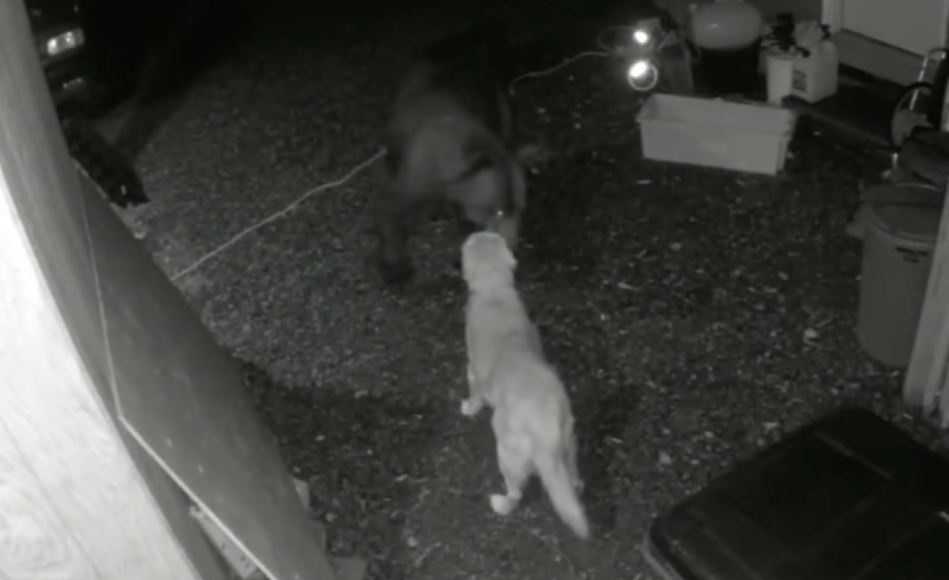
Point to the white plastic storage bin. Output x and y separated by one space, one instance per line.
715 133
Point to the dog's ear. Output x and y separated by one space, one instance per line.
467 247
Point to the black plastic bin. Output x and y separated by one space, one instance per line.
726 72
848 497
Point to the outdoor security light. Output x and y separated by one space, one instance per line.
642 74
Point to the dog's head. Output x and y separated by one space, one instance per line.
486 261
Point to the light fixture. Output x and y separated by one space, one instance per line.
642 74
64 42
641 37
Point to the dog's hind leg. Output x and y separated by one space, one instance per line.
515 468
514 461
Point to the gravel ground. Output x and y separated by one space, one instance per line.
696 315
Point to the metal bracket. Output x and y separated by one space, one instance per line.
345 568
236 557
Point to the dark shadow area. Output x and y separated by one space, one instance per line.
169 46
559 214
603 423
359 455
863 106
103 163
155 54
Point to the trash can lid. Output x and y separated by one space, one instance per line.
910 211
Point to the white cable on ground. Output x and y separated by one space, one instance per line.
279 214
553 69
365 164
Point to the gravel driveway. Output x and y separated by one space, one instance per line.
696 315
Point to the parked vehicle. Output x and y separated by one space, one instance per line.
82 84
59 29
95 52
98 54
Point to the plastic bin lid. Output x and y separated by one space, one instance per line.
909 211
849 496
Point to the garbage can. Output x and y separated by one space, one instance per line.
898 224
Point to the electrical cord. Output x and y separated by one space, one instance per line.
607 50
603 37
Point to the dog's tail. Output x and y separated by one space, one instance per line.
553 474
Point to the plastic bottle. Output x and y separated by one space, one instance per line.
676 66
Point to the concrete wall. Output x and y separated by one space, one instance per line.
802 9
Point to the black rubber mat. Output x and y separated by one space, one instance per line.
848 497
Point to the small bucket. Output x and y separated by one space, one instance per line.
779 70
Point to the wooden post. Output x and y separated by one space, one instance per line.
927 380
77 500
